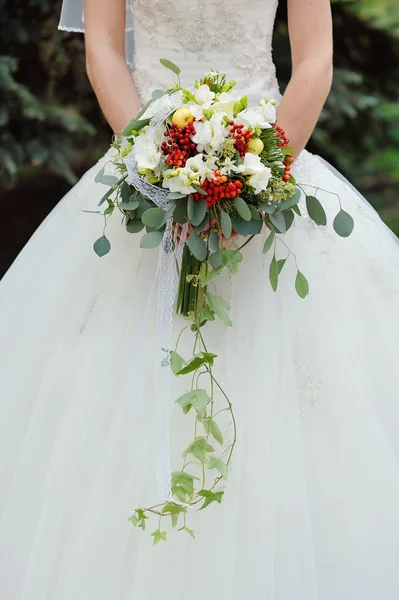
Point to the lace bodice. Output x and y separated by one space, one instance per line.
232 36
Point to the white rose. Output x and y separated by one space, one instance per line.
251 165
259 181
252 117
203 95
210 134
146 153
178 181
268 111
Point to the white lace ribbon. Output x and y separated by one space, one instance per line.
170 256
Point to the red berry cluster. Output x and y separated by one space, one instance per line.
287 164
284 141
241 137
218 188
179 146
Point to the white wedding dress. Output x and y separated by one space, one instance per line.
311 509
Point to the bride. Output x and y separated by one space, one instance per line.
311 509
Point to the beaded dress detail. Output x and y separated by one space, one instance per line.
311 508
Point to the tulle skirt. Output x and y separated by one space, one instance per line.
311 509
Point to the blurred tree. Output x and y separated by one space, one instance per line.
44 94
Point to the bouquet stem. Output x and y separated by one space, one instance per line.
191 296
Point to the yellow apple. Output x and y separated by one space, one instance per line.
182 117
255 145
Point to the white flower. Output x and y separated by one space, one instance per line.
210 134
146 153
203 95
227 167
268 111
251 165
197 168
225 103
253 117
176 180
211 74
259 181
159 105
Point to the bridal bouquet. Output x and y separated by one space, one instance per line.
199 167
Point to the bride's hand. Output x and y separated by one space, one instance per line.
105 22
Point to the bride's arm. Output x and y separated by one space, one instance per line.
105 61
310 29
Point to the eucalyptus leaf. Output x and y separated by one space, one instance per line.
151 240
153 217
268 208
196 210
134 225
109 180
296 209
316 211
126 192
280 264
157 94
102 246
273 273
343 224
131 205
99 175
213 242
252 227
170 65
180 211
197 247
216 259
279 222
242 208
301 285
269 241
289 218
225 222
290 202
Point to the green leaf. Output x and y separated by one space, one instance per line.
131 205
134 124
126 192
134 225
255 213
215 431
99 175
188 530
279 222
176 196
268 208
198 448
110 209
198 399
213 242
225 222
343 224
210 497
200 190
153 217
180 211
157 94
197 247
176 362
184 480
196 210
252 227
212 275
203 225
218 464
301 285
290 202
316 211
273 273
102 246
231 260
151 240
269 241
179 493
220 307
289 218
243 209
216 259
296 209
158 536
170 65
201 359
280 264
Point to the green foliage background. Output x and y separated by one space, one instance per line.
51 129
